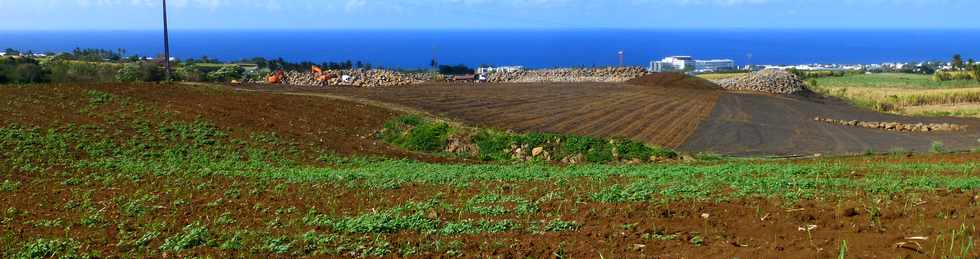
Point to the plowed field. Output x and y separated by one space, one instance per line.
671 110
661 112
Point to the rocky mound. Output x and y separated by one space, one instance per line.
567 75
673 80
356 78
896 126
768 81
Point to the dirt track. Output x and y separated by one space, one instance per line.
752 124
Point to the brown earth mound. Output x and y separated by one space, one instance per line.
653 113
674 80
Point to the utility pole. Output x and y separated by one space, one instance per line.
166 43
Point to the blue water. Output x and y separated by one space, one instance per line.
541 48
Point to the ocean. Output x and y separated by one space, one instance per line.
531 48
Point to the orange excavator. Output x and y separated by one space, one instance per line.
276 78
318 73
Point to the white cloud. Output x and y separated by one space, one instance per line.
354 5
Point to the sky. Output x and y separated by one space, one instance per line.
489 14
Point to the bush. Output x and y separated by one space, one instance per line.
942 76
65 71
140 72
21 71
226 73
430 137
419 134
415 133
492 146
937 147
190 73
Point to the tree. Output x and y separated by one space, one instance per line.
455 70
957 62
976 72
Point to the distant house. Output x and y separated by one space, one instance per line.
714 65
688 63
487 70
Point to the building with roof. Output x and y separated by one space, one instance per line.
689 64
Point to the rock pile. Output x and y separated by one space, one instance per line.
567 75
896 126
768 81
356 78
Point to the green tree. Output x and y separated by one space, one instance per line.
957 62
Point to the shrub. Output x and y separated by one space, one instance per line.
937 147
941 76
226 73
65 71
415 133
492 145
419 134
140 72
22 71
428 137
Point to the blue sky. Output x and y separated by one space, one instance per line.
487 14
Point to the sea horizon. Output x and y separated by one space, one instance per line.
533 48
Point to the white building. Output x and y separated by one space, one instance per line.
487 70
687 63
714 65
674 63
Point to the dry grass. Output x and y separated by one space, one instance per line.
905 94
720 76
957 110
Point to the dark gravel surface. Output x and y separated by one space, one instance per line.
758 124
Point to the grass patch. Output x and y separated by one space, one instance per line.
902 93
421 134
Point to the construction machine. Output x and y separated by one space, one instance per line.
276 78
319 75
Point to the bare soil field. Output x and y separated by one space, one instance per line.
183 171
663 111
672 111
340 126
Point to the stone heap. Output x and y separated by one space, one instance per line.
773 81
568 75
896 126
356 78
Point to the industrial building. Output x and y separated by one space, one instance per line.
689 64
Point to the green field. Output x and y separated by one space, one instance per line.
893 80
908 94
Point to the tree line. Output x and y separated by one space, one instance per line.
102 65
